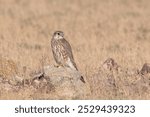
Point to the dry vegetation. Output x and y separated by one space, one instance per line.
96 30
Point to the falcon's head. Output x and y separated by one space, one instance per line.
58 35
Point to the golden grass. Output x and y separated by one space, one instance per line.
96 30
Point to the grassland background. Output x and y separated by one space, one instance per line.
96 30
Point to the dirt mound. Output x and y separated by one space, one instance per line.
145 69
119 85
60 83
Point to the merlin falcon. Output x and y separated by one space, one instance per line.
62 52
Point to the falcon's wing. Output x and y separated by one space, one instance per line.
68 49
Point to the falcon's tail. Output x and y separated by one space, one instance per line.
75 67
82 79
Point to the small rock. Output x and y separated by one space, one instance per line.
145 69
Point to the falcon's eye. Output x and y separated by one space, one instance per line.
58 33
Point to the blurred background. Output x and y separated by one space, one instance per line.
96 30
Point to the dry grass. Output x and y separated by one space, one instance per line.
96 29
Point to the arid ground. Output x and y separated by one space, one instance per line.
96 29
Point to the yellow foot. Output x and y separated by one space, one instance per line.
58 66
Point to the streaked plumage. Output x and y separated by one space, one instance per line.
62 51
